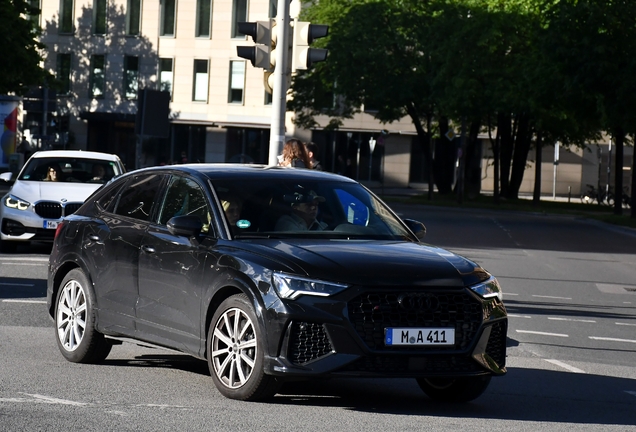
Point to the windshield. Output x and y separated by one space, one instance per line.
286 208
70 170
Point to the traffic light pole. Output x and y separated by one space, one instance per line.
279 91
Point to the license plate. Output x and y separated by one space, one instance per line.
419 336
49 224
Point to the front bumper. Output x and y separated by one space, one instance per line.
349 342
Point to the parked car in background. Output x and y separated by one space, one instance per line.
269 274
51 185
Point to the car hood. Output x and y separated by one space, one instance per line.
34 191
373 262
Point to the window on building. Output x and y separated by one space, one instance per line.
268 98
237 81
200 87
35 12
98 63
168 17
64 72
133 17
99 17
66 16
239 14
204 15
131 76
166 74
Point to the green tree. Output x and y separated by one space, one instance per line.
21 63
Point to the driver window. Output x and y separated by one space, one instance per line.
185 197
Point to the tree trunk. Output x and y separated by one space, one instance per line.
619 136
445 158
520 155
504 130
421 137
536 197
495 157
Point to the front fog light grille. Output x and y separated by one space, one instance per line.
496 347
307 342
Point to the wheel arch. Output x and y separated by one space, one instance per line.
60 273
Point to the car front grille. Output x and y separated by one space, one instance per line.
307 342
55 210
372 312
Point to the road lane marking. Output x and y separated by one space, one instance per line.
542 333
565 366
25 264
52 400
612 339
16 284
38 259
510 294
553 297
625 324
519 316
23 301
39 399
570 319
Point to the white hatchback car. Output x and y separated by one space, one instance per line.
51 185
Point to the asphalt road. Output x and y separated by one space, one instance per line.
569 286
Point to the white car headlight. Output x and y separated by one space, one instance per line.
291 287
16 203
488 289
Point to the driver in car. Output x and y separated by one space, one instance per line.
303 215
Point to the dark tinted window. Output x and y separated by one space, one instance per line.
185 197
138 196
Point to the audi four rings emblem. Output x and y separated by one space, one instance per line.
418 301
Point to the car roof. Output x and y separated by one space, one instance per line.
217 171
76 154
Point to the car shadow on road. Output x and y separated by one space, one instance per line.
523 394
22 288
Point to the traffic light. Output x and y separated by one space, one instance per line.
303 57
260 55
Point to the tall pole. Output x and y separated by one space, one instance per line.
279 90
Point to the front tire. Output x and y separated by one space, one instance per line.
75 332
235 352
463 389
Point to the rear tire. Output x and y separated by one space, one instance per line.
463 389
75 332
235 348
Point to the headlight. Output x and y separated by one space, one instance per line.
291 287
488 289
16 203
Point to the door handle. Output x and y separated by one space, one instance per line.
93 237
148 249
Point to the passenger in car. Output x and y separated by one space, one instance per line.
232 207
53 173
303 215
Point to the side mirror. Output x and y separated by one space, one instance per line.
416 227
6 176
186 226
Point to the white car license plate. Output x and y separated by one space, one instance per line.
49 224
419 336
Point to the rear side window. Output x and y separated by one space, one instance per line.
138 196
185 197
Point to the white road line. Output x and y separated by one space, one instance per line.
553 297
52 400
565 366
571 319
542 333
612 339
23 301
519 316
22 264
510 294
39 259
16 284
625 324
